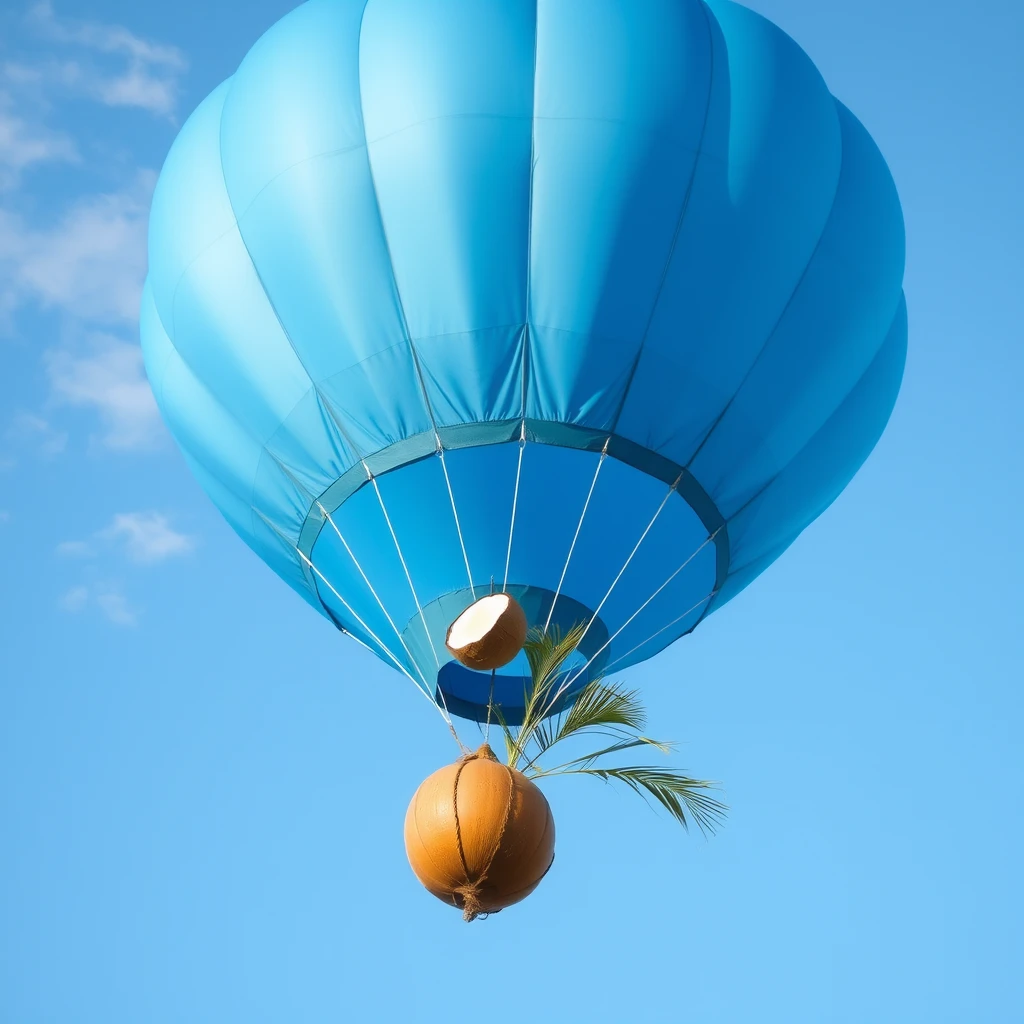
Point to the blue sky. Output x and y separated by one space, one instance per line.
202 785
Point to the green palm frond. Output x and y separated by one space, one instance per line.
546 653
683 797
603 704
600 709
587 760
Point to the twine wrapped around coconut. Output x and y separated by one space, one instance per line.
479 835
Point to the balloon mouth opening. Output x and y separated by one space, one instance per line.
466 692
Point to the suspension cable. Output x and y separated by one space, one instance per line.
405 567
515 503
707 540
575 537
679 618
455 513
376 596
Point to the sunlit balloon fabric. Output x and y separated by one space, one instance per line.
429 278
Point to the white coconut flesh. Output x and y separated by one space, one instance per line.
477 621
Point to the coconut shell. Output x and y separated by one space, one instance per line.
479 835
499 645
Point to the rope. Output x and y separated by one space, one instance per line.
575 537
470 890
401 668
707 540
597 611
455 513
425 689
405 568
515 503
636 548
678 618
366 580
491 700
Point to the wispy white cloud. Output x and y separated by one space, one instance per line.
75 549
75 599
147 537
134 86
36 433
102 37
91 263
148 78
107 597
115 606
87 261
137 88
23 144
143 538
108 378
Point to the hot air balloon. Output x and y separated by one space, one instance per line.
595 304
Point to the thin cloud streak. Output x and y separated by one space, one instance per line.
91 263
109 379
24 145
149 80
108 598
146 538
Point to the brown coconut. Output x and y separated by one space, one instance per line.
489 633
479 835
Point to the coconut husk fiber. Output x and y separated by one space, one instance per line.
479 835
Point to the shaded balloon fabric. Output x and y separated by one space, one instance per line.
622 256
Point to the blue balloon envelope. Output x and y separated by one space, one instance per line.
595 301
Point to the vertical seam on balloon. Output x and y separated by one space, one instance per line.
679 224
515 504
148 289
780 548
408 336
284 330
384 231
313 386
775 476
525 363
781 317
273 308
761 491
247 431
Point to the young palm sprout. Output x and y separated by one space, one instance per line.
601 709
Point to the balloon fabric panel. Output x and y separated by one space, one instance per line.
598 301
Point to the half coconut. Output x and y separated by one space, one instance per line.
489 633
